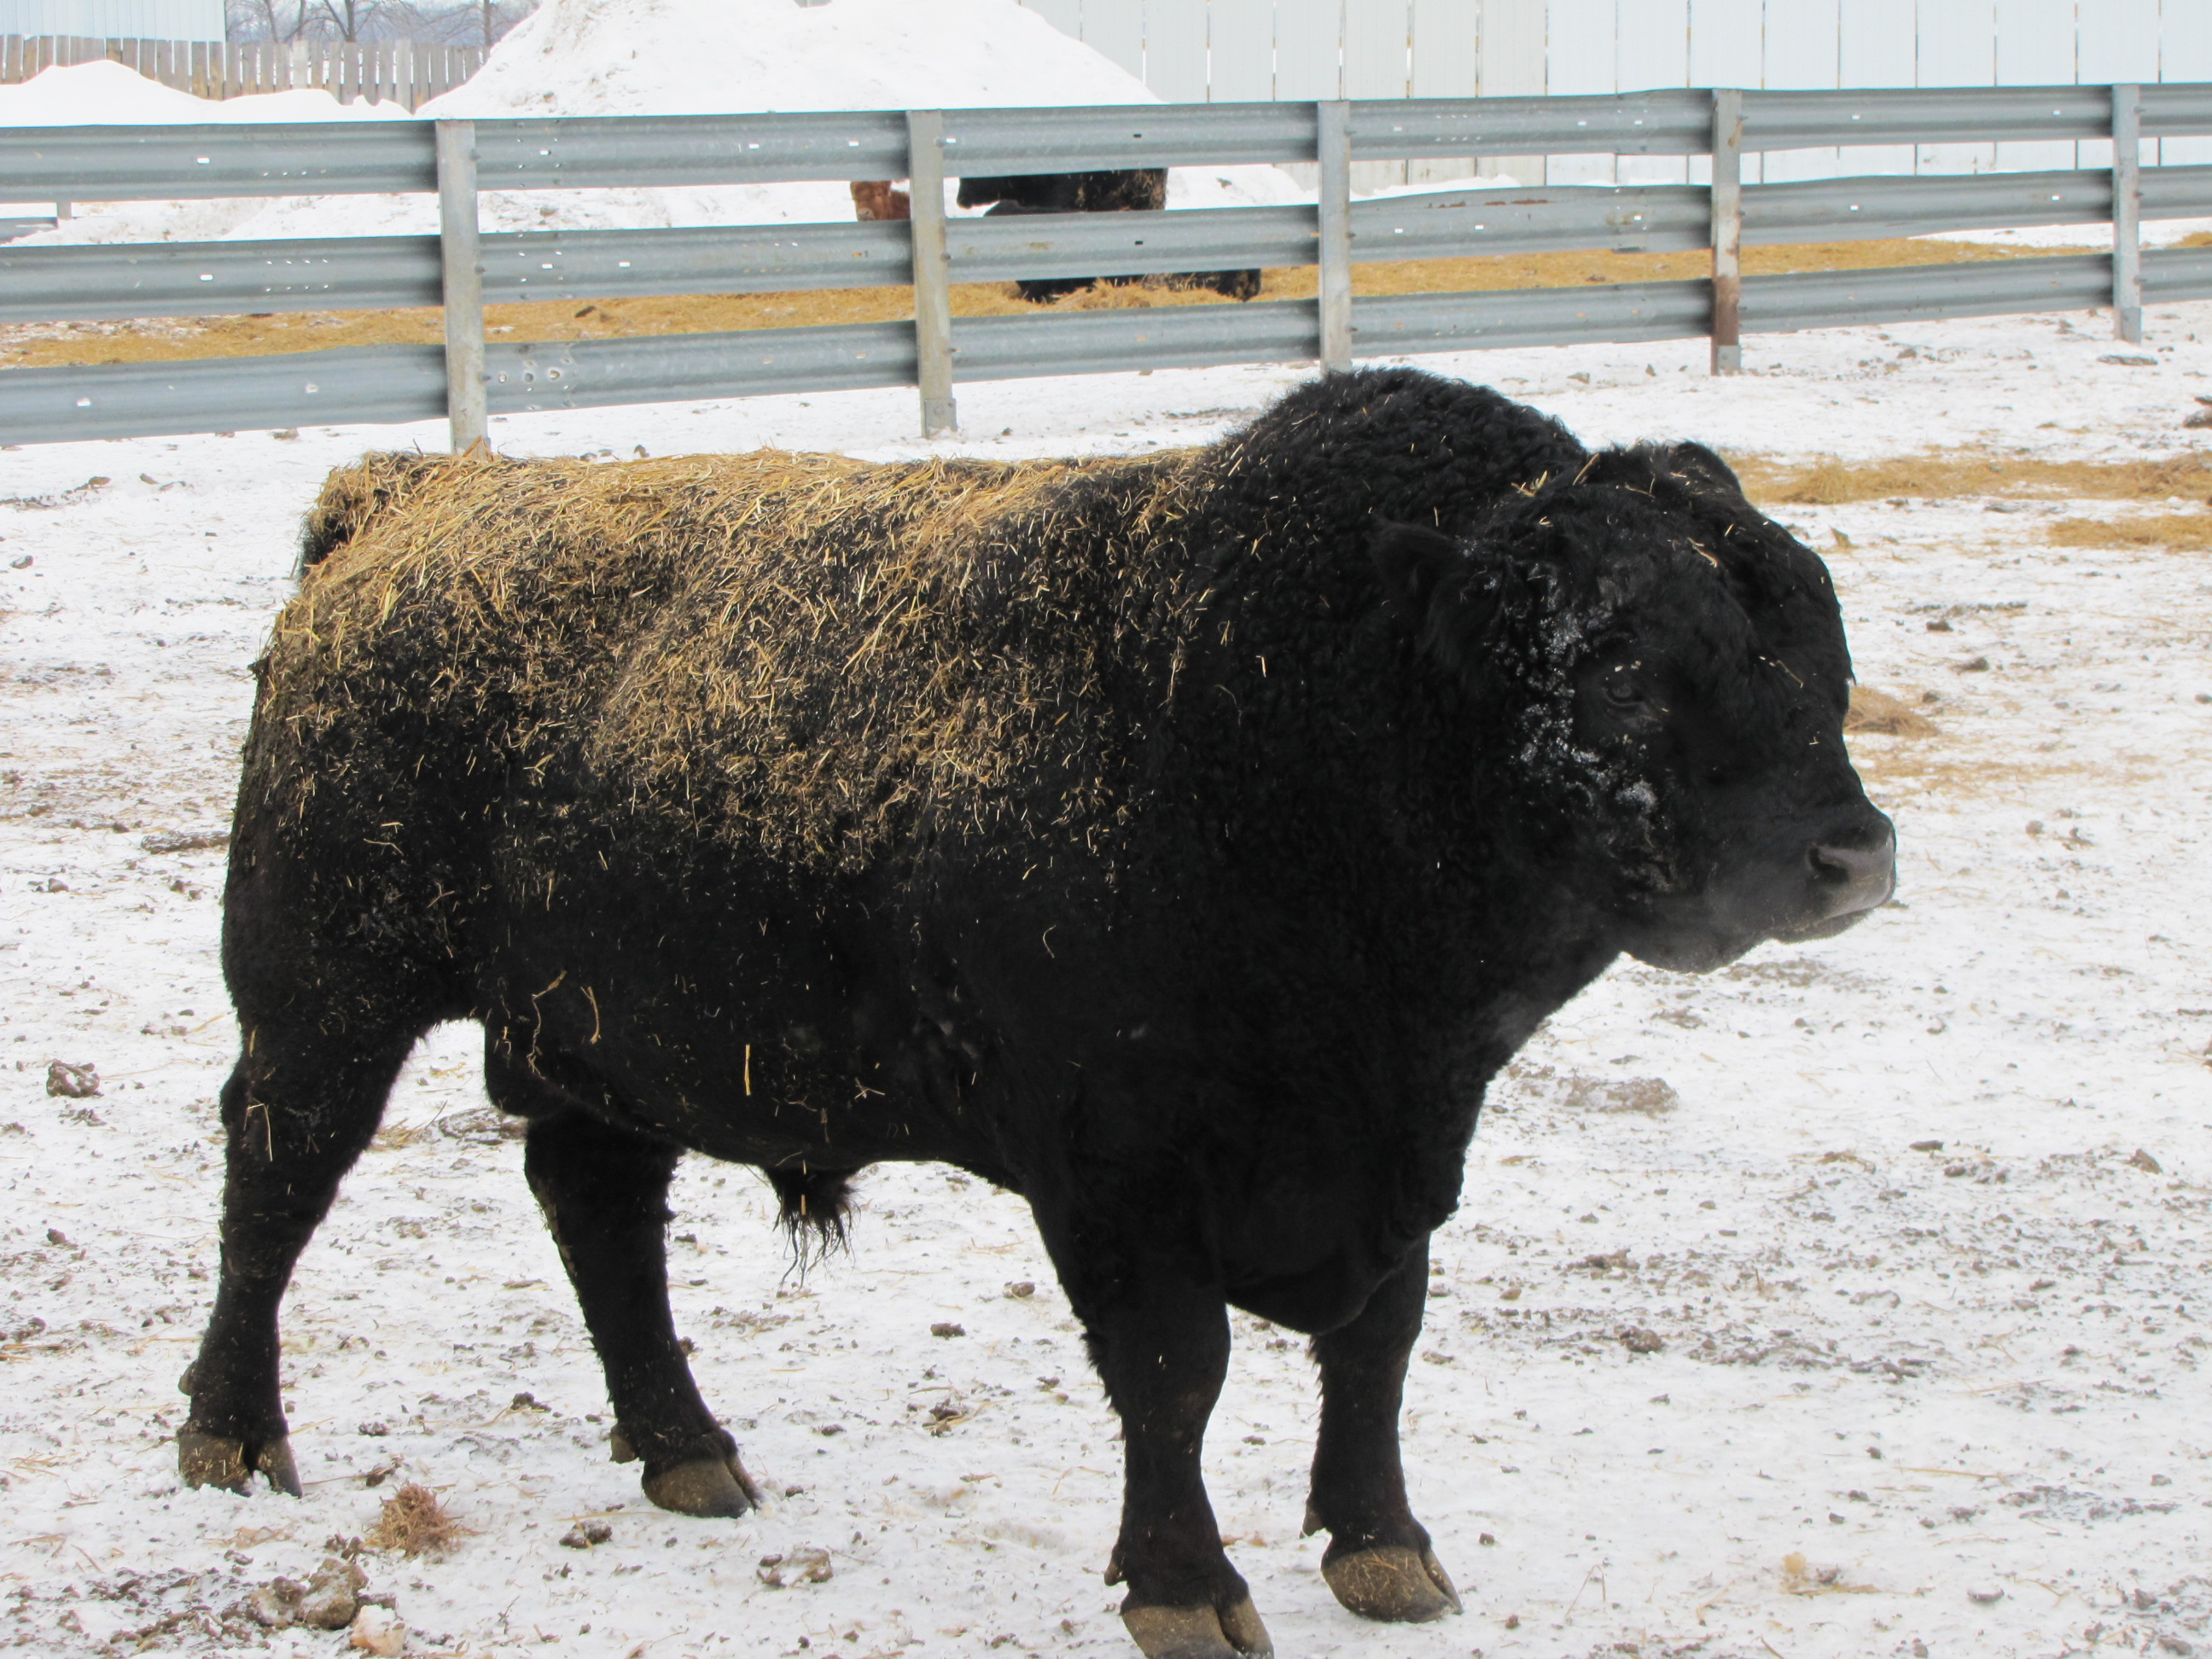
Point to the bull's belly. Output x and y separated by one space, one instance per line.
746 1102
1314 1273
772 1065
1319 1299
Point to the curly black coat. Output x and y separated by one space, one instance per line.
1400 715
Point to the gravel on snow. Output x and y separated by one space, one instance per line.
1727 1356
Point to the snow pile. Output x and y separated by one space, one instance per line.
107 94
694 57
729 57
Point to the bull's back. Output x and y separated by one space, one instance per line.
791 649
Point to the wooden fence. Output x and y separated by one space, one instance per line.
409 72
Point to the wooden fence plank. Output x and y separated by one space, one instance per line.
1241 48
1802 39
2119 43
1576 66
2035 47
1514 66
1066 15
1876 47
1174 50
1309 37
1114 29
1958 48
1447 63
1652 49
2186 55
1377 35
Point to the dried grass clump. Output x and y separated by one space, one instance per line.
803 654
1799 1577
580 318
1827 481
394 1136
413 1521
2179 532
1878 712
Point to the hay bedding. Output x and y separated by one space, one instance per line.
802 653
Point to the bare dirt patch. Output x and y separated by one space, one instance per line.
160 339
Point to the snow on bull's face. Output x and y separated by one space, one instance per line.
1665 670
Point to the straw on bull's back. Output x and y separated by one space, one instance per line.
803 649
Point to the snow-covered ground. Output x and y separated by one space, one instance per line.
1912 1399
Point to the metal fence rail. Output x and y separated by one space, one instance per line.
456 159
119 163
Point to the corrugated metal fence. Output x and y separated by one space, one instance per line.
467 380
1220 50
409 72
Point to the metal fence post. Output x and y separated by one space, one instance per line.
933 278
2126 214
1332 118
1727 231
462 271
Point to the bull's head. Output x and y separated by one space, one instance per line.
1659 677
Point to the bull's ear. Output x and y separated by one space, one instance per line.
1706 471
1414 562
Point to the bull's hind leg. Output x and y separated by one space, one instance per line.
298 1109
605 1192
1378 1561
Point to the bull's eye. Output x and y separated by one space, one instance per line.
1622 692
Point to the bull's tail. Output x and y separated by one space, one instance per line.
814 1204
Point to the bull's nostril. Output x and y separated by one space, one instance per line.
1857 877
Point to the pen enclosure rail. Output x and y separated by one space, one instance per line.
455 159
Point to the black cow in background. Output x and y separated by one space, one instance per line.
1136 190
1181 841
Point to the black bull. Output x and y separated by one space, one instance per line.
1181 843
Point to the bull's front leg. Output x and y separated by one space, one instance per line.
1162 1348
1378 1561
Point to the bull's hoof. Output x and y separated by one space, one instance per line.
215 1460
707 1486
1231 1632
1392 1583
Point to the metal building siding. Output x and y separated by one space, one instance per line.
115 20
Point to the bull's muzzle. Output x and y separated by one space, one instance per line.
1851 880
